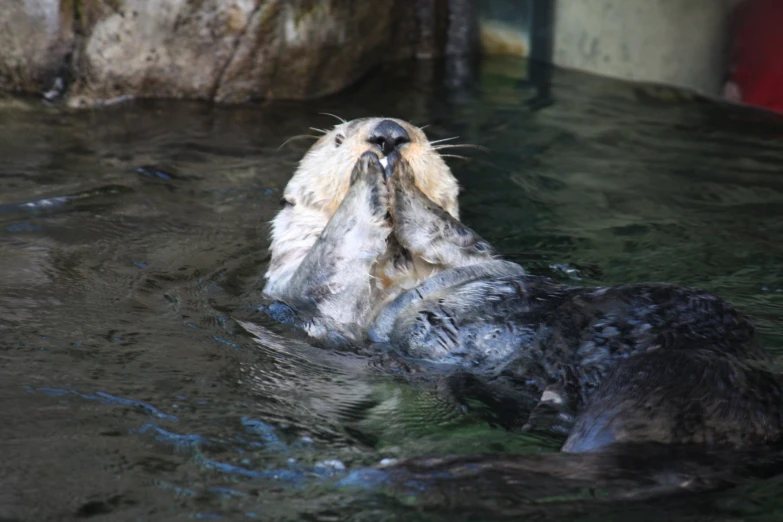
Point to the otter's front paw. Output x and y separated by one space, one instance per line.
427 230
369 174
398 172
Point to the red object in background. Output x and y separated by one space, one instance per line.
757 69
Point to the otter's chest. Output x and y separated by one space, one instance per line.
397 271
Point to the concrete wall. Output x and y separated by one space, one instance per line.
676 42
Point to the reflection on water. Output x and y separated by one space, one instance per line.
132 240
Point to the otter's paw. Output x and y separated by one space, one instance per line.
399 173
427 230
368 174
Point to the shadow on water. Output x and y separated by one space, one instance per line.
131 244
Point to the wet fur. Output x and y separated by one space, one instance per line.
326 285
653 363
429 232
392 263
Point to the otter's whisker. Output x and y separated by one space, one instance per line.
444 139
318 130
333 116
461 145
299 137
452 156
425 126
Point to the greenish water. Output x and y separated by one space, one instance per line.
130 392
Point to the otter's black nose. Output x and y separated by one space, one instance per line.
388 135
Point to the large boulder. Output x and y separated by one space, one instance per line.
36 39
98 51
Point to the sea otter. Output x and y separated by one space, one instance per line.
369 249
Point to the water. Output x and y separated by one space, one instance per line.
132 240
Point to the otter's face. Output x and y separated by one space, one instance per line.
323 177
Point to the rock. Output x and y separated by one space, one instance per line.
165 49
36 38
314 49
100 51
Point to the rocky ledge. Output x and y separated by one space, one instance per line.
93 52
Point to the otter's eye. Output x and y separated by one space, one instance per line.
338 140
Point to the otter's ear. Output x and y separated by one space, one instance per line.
338 140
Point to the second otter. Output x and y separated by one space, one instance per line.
369 248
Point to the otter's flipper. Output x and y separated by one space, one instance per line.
700 396
333 282
427 230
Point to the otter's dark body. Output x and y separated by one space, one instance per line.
646 361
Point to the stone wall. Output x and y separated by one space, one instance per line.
90 52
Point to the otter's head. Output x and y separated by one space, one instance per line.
323 177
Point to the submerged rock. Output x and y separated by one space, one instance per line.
98 51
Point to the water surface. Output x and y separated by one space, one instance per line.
132 240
